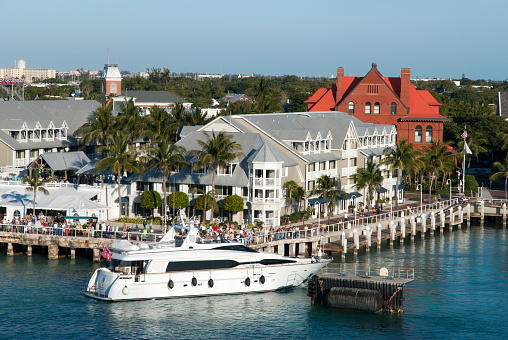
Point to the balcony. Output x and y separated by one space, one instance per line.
348 171
317 174
266 182
265 200
350 153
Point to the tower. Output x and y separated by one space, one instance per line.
111 81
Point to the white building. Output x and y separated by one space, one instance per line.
26 73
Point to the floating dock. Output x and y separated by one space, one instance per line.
360 292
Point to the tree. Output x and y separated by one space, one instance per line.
178 200
36 184
398 158
290 187
150 200
327 189
98 127
232 203
119 159
165 158
131 121
436 158
503 172
369 177
216 151
158 124
206 200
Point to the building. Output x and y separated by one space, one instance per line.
234 97
30 128
111 84
278 148
384 100
27 73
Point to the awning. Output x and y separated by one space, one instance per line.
78 217
124 199
382 190
356 194
401 186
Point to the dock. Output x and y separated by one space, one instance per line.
371 293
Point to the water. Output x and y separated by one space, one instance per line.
460 291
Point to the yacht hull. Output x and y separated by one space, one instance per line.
113 286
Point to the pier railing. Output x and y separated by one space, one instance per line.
344 269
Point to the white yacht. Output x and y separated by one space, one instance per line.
195 268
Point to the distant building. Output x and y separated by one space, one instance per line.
234 97
209 76
384 100
111 84
26 73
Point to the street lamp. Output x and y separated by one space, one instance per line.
419 187
353 197
449 182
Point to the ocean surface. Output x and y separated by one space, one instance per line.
460 292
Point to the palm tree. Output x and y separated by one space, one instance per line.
199 117
399 158
216 151
328 189
158 124
436 158
36 184
290 188
131 121
299 195
503 172
369 177
119 159
475 145
165 158
208 200
99 126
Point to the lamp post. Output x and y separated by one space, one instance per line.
449 182
419 187
353 197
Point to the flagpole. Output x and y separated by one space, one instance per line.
464 165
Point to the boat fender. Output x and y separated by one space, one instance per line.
125 290
262 279
194 281
247 282
171 284
210 283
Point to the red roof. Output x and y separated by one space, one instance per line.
422 104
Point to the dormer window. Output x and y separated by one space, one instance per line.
228 170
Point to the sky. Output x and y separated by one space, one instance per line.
435 39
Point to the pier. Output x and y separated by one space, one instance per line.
369 292
344 237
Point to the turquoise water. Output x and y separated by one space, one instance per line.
460 291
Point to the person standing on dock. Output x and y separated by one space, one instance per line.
319 254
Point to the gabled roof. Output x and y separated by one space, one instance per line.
154 97
65 160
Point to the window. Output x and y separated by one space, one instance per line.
351 108
428 134
418 134
331 165
372 89
112 88
393 109
376 108
367 108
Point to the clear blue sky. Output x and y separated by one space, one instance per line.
445 38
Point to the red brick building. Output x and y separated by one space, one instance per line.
384 100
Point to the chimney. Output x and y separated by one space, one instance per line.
338 91
405 75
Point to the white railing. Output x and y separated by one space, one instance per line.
348 171
268 182
317 174
353 153
265 200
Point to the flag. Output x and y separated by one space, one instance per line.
468 150
464 134
106 253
